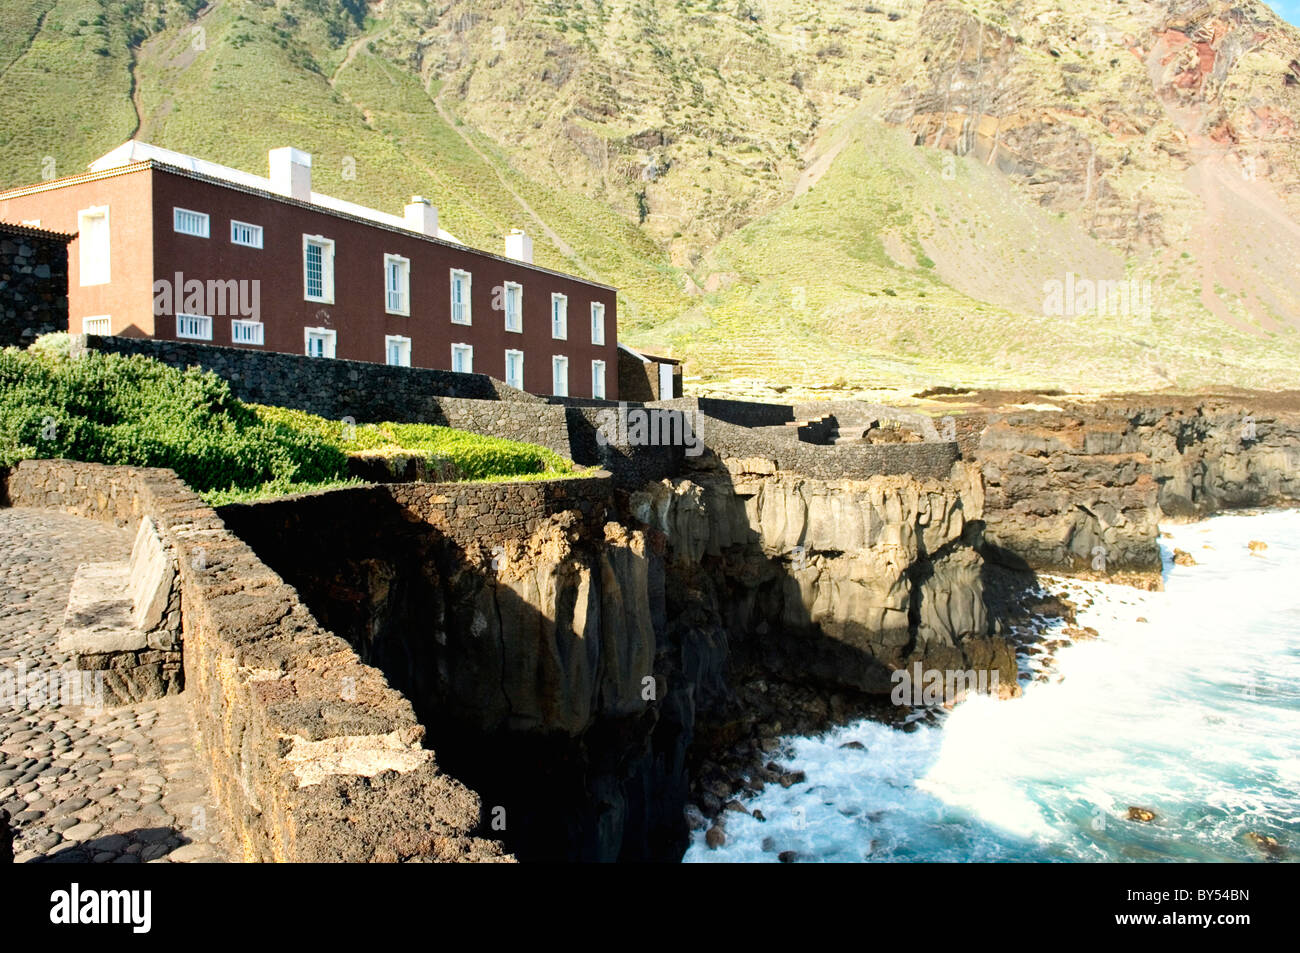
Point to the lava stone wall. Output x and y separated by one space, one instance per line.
543 424
326 386
727 438
462 512
33 284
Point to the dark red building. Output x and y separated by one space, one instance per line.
174 247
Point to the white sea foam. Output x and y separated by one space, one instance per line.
1193 714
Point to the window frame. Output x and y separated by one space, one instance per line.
180 318
405 290
602 366
401 341
204 217
97 317
83 248
468 301
555 358
235 225
330 336
462 347
563 314
509 353
508 287
598 307
327 269
244 322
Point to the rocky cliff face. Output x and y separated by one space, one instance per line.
572 675
838 581
1161 124
1082 489
606 658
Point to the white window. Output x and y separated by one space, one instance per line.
397 350
514 306
190 223
515 369
318 268
560 375
96 324
196 327
246 332
320 342
460 286
462 358
559 316
598 379
93 245
241 233
397 284
597 323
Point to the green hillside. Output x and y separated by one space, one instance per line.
750 178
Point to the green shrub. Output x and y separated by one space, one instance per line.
132 410
56 345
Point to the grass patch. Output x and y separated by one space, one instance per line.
474 456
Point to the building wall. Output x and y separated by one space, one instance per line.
128 296
358 313
639 380
33 285
146 248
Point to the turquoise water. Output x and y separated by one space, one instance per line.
1193 714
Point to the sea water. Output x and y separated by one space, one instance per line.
1192 714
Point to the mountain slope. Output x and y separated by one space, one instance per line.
817 196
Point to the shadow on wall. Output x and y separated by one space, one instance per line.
565 665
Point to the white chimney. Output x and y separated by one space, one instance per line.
421 216
519 246
291 172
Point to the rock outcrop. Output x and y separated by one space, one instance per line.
1081 489
840 581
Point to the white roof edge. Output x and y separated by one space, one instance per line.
635 353
135 151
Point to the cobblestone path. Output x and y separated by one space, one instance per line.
86 783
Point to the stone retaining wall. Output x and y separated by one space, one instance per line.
33 284
328 387
744 413
480 404
927 460
631 466
313 756
463 512
540 423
